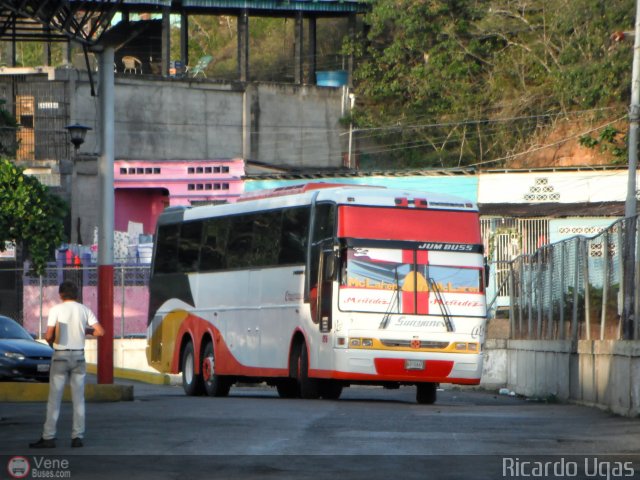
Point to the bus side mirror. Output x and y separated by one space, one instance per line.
487 272
330 265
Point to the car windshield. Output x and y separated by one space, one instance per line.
11 329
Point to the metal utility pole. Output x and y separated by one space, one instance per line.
106 220
630 204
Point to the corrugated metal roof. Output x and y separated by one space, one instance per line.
283 5
160 3
527 210
342 173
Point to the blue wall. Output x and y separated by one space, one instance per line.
465 186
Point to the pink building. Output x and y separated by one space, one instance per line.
144 188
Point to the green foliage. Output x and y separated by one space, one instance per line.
610 140
452 82
29 213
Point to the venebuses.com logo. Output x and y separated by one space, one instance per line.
38 467
18 467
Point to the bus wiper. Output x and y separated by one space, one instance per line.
440 301
394 302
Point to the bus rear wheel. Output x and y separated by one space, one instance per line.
214 385
191 382
288 388
426 393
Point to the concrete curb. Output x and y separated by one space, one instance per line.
138 375
39 392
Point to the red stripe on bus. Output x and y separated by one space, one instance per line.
410 299
226 363
409 224
376 378
396 367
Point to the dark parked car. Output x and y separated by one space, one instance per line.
20 355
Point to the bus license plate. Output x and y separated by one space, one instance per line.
414 364
43 367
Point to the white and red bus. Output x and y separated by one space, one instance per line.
318 287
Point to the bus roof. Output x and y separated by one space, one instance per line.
340 194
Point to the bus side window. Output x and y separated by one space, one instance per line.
189 246
240 241
295 230
212 255
166 258
266 238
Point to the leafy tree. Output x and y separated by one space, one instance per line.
453 82
611 141
29 213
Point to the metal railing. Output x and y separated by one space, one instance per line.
573 289
28 298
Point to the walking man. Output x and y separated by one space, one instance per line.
67 325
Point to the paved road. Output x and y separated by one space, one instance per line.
369 433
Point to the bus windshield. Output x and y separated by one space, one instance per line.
389 280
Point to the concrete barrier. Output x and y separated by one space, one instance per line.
39 392
599 373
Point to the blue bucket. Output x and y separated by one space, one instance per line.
332 78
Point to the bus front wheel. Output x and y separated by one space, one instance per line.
214 385
309 387
191 382
288 388
426 393
330 389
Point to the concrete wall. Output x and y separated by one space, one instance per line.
602 373
127 353
169 119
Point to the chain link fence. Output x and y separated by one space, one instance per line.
28 298
574 289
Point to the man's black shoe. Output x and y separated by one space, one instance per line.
76 442
42 443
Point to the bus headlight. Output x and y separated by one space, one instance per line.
471 347
360 342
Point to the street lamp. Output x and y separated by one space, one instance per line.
77 133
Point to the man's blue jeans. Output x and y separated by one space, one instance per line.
69 364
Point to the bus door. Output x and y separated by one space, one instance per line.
318 291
